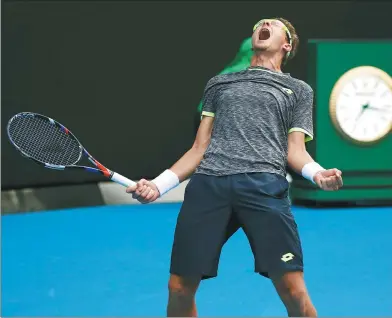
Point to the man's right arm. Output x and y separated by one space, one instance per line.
146 191
188 163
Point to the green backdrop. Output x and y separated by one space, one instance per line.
239 63
367 170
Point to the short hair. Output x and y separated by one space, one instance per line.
294 39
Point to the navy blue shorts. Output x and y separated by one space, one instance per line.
214 208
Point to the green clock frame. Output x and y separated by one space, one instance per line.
367 170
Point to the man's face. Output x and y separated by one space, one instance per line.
270 35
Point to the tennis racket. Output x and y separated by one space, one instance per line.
52 145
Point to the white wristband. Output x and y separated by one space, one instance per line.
166 181
310 169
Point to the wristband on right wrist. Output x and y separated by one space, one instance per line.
166 181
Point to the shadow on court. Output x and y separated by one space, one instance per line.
113 261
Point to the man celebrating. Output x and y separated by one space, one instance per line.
255 122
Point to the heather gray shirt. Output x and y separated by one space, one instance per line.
254 110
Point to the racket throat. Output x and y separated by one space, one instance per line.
105 171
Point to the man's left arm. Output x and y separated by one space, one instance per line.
302 163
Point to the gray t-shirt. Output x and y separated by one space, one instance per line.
254 110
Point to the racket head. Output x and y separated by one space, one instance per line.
44 140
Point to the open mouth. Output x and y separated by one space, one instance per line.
264 34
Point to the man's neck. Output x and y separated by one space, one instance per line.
269 62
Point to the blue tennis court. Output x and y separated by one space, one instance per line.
114 260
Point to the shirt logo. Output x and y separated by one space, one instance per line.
288 91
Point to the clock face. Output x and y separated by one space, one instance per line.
361 104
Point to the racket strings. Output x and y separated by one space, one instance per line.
42 140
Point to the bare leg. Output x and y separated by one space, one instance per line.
182 291
293 293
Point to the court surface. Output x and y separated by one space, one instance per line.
113 261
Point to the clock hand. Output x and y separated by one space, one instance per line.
356 120
379 109
364 107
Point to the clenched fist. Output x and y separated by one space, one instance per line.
329 180
144 191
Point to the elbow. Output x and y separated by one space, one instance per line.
199 148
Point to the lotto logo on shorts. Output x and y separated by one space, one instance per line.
287 257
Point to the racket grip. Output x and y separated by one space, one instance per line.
118 178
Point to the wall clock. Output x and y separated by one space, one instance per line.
360 105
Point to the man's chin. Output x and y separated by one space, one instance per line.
259 48
260 45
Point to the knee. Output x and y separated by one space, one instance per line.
293 295
297 295
182 287
297 302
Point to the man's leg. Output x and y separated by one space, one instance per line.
263 209
203 226
182 291
294 295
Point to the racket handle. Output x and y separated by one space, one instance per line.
118 178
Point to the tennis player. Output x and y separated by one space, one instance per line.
254 123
